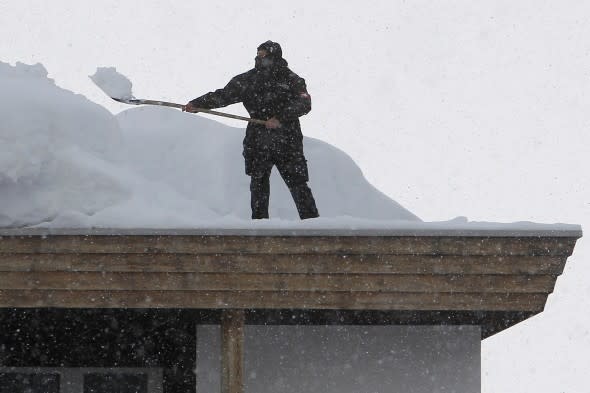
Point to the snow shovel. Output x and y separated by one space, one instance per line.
138 101
118 87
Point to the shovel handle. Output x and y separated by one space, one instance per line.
136 101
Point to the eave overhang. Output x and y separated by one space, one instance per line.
492 278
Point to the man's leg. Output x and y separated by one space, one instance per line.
259 195
258 167
293 170
304 200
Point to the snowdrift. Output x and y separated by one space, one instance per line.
68 162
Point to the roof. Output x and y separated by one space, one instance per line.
485 277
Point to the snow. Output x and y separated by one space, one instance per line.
66 162
113 83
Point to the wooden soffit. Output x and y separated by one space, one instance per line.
496 278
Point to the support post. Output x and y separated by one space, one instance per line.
232 351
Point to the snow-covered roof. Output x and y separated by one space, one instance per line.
150 209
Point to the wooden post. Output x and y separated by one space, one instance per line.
232 351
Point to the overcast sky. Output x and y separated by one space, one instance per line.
452 108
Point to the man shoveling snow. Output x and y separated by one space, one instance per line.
272 92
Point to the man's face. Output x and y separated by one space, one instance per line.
262 59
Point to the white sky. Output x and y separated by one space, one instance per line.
453 108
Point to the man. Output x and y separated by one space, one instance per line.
273 93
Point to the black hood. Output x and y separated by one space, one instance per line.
274 56
273 49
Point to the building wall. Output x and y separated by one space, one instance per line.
278 358
348 359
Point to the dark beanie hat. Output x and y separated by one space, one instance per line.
273 49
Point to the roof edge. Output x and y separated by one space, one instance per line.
509 230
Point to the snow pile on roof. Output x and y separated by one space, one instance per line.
67 162
53 150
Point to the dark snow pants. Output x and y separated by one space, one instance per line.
292 167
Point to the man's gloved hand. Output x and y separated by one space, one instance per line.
189 108
273 123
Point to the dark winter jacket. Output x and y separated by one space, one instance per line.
266 93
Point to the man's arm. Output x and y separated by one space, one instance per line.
230 94
299 103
